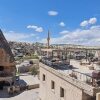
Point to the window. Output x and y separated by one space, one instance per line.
52 85
61 92
43 77
1 68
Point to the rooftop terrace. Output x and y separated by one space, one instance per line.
78 75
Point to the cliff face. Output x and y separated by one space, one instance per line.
4 45
7 64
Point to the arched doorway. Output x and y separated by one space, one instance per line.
1 85
1 68
4 84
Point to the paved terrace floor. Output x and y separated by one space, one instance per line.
29 79
81 68
26 95
25 79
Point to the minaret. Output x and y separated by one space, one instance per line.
48 40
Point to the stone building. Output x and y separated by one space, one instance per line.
7 64
58 84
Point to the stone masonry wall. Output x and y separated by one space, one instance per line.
46 93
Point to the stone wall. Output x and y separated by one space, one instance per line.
73 87
98 96
71 92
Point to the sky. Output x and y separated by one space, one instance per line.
68 21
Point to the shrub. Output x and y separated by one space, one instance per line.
34 70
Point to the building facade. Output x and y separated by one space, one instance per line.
57 86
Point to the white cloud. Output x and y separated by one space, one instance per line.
36 28
88 22
64 32
95 27
13 36
52 13
32 26
84 23
92 20
62 24
89 36
39 29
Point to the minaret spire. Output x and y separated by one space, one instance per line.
48 40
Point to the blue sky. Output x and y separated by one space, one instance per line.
69 21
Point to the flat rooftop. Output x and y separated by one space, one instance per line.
29 79
82 72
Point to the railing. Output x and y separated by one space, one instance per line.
72 73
